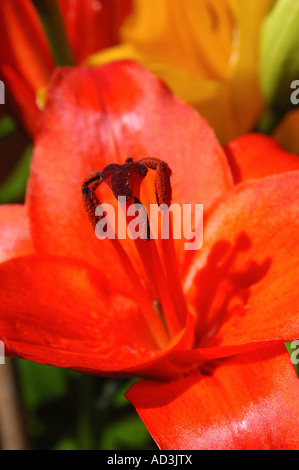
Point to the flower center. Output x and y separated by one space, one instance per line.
159 291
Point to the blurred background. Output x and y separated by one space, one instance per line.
46 408
216 55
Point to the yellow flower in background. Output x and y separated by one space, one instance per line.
205 50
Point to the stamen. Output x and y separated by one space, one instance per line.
172 272
144 227
162 303
124 180
155 323
164 196
162 183
90 200
157 282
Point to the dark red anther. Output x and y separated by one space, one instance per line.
163 185
124 181
162 182
89 198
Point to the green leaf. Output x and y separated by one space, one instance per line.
279 57
119 400
67 443
126 433
14 187
52 20
7 126
40 383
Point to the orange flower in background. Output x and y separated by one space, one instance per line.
206 51
93 25
26 59
219 374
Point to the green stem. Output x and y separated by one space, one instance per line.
52 20
268 122
86 425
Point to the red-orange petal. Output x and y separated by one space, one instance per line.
97 116
15 240
63 313
256 156
247 403
242 284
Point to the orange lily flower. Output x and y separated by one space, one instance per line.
218 374
26 60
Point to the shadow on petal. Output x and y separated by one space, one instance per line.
223 286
